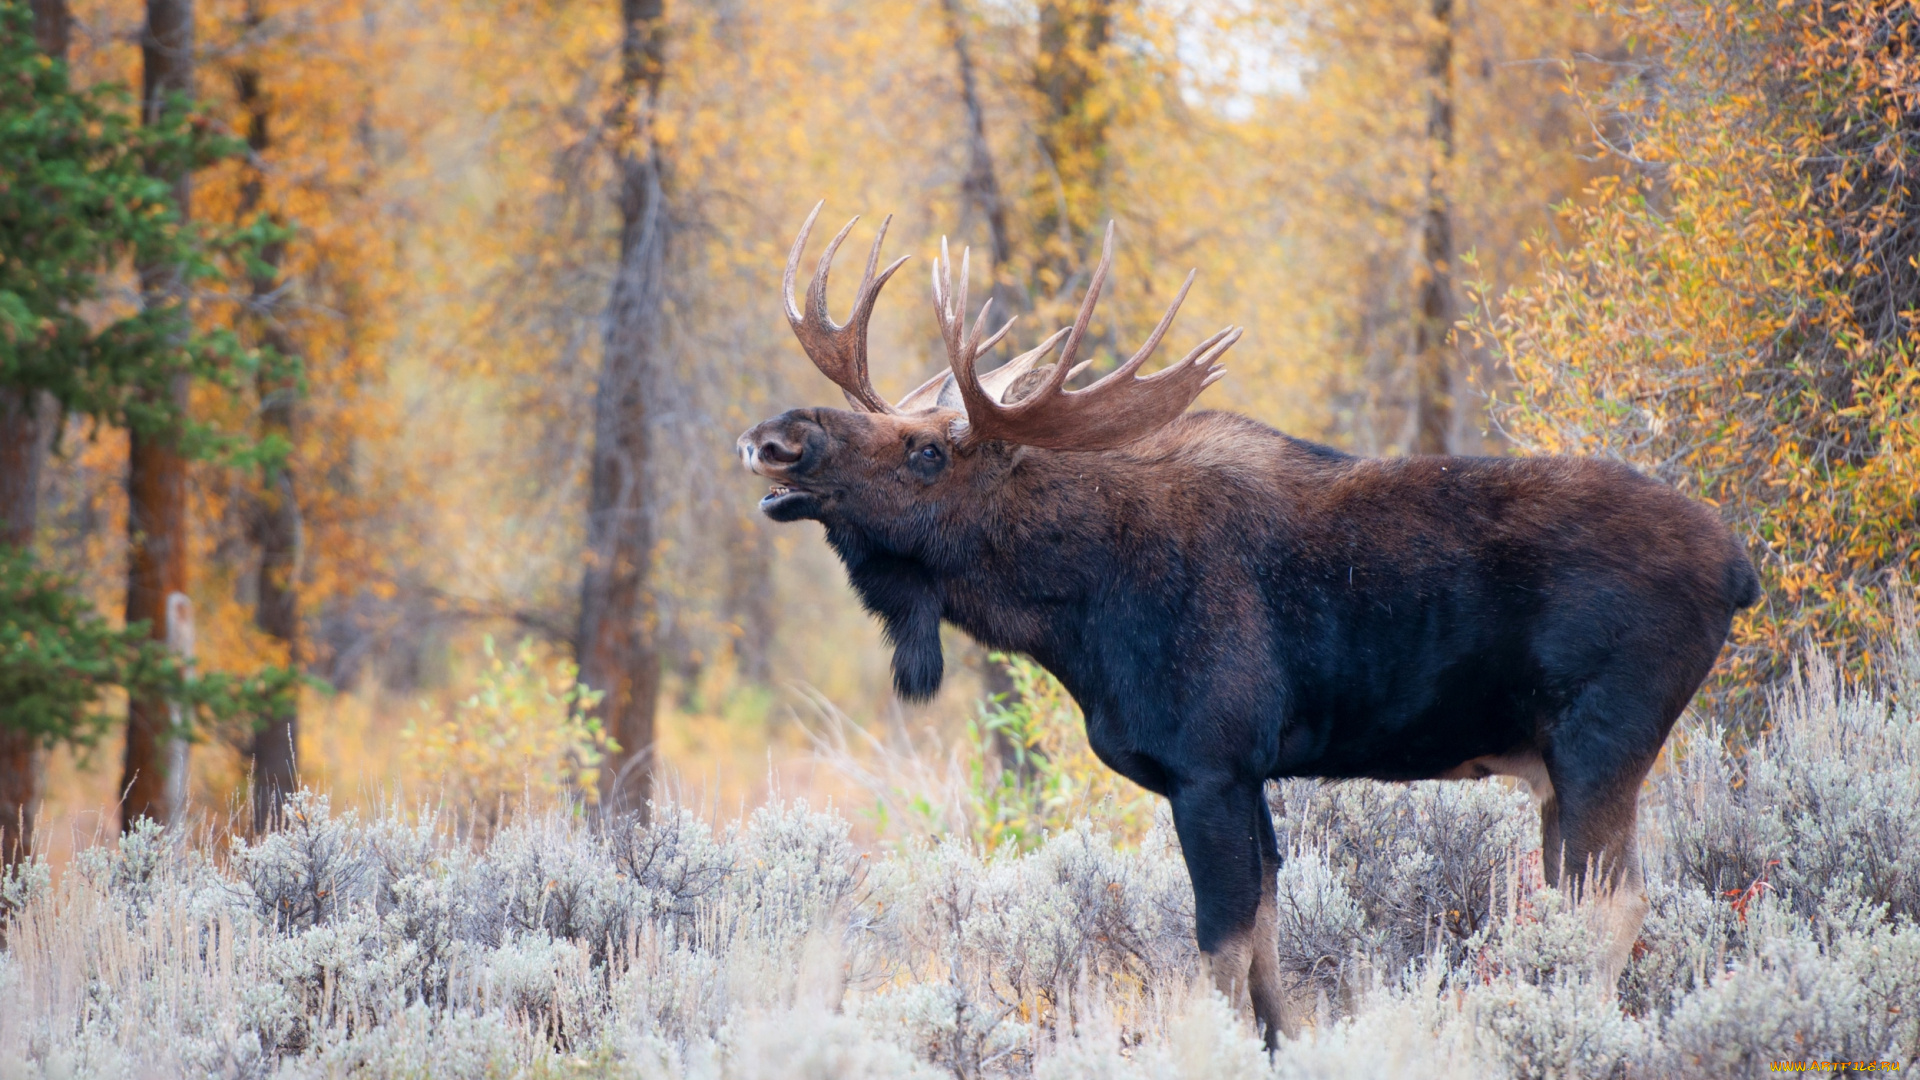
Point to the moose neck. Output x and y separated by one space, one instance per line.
1017 567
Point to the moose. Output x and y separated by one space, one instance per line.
1229 604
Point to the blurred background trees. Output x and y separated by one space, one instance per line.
92 186
527 255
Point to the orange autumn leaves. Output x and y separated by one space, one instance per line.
1706 308
1736 314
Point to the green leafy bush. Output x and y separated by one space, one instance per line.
525 732
1031 772
59 659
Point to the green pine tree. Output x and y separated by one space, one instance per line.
80 195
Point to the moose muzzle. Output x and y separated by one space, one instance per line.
776 449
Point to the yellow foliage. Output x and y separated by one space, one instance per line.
522 735
1729 317
1351 155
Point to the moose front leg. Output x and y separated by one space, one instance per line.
1226 835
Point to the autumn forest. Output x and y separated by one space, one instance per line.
370 374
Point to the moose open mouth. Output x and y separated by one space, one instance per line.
783 502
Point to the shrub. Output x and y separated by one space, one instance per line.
524 733
1735 313
1826 801
1424 861
1032 772
1412 920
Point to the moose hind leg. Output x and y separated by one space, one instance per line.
1226 836
1587 841
1623 908
1602 873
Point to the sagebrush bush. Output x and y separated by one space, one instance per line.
1426 862
1782 880
1828 798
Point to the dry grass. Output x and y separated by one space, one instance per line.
1785 884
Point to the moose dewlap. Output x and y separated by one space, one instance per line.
1229 604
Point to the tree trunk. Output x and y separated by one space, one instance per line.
275 519
20 769
980 188
156 528
156 472
615 648
52 23
27 420
1072 136
750 599
1432 348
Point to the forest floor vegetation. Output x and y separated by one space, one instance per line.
1784 880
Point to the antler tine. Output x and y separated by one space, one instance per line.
1114 411
943 294
1085 317
817 288
949 309
980 325
952 310
1153 340
839 350
1066 367
964 345
793 263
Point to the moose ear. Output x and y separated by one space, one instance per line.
905 599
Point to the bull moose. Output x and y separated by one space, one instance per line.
1229 604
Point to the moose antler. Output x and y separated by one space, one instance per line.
965 346
941 390
839 350
1115 411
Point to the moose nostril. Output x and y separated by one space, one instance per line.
774 450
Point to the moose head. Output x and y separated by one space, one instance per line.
907 490
900 470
